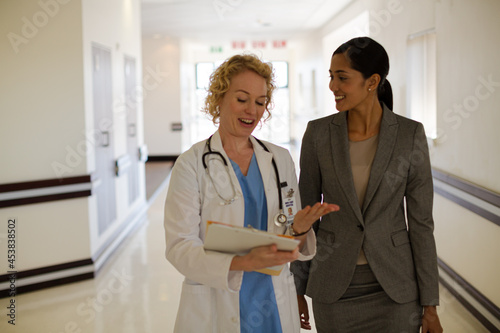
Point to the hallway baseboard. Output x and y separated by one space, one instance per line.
487 313
45 277
12 284
162 158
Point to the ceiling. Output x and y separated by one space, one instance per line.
236 18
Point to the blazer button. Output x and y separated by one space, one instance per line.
360 227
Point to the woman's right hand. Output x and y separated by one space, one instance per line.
303 312
262 257
305 218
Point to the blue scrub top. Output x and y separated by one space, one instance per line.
258 308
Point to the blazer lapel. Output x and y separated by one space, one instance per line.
387 139
342 160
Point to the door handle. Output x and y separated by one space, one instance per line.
131 130
105 141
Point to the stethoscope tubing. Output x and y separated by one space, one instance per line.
275 167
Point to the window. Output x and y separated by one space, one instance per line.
421 85
281 73
276 129
201 127
203 72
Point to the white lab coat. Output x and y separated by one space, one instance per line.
210 292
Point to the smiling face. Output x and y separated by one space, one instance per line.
350 88
243 104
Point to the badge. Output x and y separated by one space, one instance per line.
290 206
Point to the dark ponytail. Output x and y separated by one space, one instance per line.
369 57
385 94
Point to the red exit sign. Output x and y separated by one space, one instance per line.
259 44
279 44
238 44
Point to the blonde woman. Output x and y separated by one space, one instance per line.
234 178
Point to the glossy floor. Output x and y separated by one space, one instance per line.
138 291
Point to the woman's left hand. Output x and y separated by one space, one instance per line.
305 217
430 321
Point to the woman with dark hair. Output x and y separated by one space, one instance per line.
376 265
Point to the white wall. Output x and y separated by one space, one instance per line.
162 95
42 125
41 101
306 83
468 143
47 117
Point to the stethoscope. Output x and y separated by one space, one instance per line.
280 219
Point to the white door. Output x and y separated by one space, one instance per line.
131 112
103 129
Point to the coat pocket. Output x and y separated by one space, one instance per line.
195 309
400 237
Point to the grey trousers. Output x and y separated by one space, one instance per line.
365 307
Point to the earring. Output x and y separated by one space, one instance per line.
369 89
217 110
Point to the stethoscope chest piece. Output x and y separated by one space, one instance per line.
280 219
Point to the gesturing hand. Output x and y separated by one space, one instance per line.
305 217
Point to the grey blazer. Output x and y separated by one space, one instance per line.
401 251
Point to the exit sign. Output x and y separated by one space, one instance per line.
216 49
278 44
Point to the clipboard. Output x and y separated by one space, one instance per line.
232 239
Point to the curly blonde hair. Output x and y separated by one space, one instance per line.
220 80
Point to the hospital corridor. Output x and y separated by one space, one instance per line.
100 99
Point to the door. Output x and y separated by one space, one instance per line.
103 129
131 112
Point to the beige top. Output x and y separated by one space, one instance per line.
362 154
